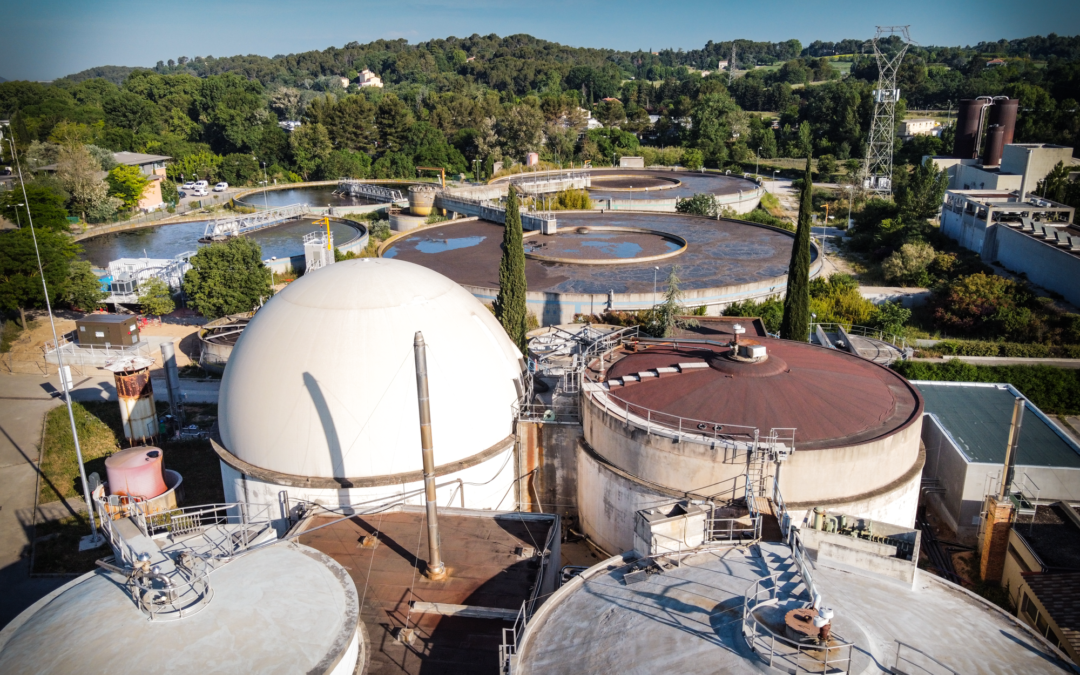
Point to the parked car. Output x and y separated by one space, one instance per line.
190 185
201 184
182 193
199 192
221 187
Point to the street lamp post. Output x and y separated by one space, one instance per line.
757 160
94 539
655 270
851 198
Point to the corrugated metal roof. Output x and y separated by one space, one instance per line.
978 418
832 399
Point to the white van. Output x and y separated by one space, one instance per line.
221 187
201 185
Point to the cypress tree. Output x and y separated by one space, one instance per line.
796 322
510 303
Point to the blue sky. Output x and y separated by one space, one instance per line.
45 39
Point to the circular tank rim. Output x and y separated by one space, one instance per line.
611 261
914 417
671 184
336 483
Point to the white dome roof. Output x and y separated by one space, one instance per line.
322 382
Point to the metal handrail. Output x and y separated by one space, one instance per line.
174 596
188 520
802 561
764 642
899 650
688 426
864 331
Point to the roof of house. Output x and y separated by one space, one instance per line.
1053 533
138 158
978 418
1060 595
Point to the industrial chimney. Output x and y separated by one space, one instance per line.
995 144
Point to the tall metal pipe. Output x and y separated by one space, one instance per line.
435 567
172 379
1010 452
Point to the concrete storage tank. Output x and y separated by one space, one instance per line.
968 127
680 419
995 144
136 393
421 199
1003 112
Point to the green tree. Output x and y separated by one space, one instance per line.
46 207
796 322
805 142
713 118
664 320
827 168
345 164
891 317
84 288
239 168
393 165
509 304
701 204
227 278
201 165
78 171
20 278
127 183
155 297
310 145
393 120
694 159
909 264
920 195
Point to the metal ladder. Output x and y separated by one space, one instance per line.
757 467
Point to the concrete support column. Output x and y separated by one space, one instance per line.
994 542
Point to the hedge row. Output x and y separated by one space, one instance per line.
1056 391
1012 349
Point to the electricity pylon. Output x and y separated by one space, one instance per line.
877 171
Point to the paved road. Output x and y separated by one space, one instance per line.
23 404
24 400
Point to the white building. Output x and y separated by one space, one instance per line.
919 127
369 79
1022 166
318 402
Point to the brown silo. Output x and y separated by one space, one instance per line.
968 123
1003 112
995 136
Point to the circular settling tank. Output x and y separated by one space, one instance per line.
724 261
603 245
631 182
166 241
312 195
672 419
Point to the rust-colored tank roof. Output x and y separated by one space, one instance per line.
831 398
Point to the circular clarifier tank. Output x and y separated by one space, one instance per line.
603 246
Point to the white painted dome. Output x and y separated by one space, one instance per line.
322 382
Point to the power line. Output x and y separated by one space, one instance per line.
877 172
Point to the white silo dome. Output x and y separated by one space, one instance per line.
322 382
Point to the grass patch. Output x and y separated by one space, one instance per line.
101 434
59 465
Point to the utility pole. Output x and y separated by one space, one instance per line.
731 65
877 171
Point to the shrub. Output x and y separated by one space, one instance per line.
703 204
1054 390
908 265
572 200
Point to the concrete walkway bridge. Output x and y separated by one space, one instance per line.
236 224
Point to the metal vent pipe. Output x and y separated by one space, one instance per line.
1010 451
435 567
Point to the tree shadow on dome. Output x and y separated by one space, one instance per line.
333 443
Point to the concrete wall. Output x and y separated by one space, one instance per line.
491 488
608 502
1033 161
552 309
973 177
897 505
558 483
839 556
1044 263
966 229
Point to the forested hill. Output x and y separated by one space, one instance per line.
519 64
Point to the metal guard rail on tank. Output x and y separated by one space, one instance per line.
511 636
863 331
780 652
